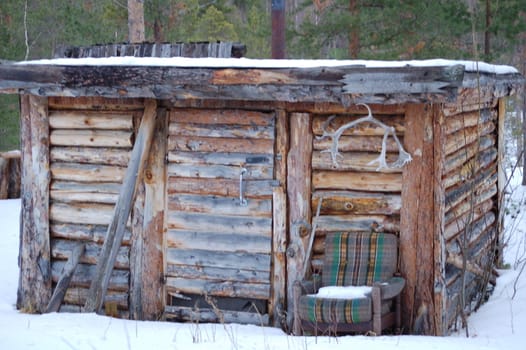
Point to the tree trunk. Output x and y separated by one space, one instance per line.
487 45
354 35
136 21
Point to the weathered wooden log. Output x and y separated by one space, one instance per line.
221 187
254 172
357 181
90 155
222 130
464 137
215 241
217 144
182 313
122 209
471 167
81 213
357 144
76 187
217 223
358 223
354 202
67 119
61 250
91 138
473 234
458 261
87 172
471 99
469 119
217 273
221 116
228 260
65 278
92 197
79 296
218 288
481 195
456 159
84 273
95 103
34 288
319 124
219 205
457 226
207 158
455 195
356 161
79 232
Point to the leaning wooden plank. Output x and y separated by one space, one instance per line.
219 205
65 279
122 209
90 120
190 314
218 288
91 138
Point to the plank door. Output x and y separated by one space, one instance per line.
219 223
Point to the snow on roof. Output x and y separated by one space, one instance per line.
184 62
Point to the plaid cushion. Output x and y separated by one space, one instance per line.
334 310
358 258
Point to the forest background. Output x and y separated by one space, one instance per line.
488 30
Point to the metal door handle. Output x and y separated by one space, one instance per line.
242 200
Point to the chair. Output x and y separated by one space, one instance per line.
352 259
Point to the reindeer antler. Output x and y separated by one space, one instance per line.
403 156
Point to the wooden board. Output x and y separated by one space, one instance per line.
218 205
67 119
357 181
215 241
355 202
90 155
91 138
218 288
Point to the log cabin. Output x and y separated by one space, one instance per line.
201 189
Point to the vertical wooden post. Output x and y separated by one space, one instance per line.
34 286
116 229
417 216
279 236
278 29
299 172
501 175
146 255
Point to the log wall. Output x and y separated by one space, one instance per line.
470 225
354 195
90 145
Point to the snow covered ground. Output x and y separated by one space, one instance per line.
499 324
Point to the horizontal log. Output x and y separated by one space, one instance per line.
91 197
76 232
218 288
458 225
485 159
457 261
204 222
356 144
71 119
458 158
217 144
481 195
215 158
90 155
455 195
214 241
222 116
119 280
87 172
61 249
91 138
471 99
320 123
219 187
476 229
221 130
220 171
190 314
354 202
96 187
358 181
81 213
469 119
78 296
358 223
95 103
464 137
219 205
228 260
217 273
356 161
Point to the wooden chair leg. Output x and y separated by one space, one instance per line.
296 328
377 310
398 312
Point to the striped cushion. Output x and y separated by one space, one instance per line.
358 258
334 310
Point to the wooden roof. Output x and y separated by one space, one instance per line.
339 84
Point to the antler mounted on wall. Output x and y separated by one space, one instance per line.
403 156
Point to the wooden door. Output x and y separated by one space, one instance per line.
219 225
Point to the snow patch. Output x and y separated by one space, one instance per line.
347 292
